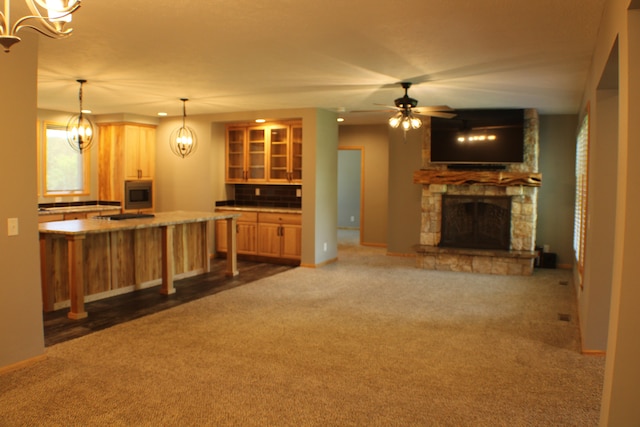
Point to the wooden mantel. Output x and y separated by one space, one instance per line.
498 178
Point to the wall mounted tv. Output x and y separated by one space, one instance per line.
479 137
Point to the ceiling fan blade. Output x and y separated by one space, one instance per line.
436 114
436 108
373 111
385 105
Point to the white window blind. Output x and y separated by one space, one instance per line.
580 215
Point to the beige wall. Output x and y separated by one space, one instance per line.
21 331
374 140
622 373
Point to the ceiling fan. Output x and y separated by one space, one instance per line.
405 109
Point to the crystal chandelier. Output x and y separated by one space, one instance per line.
48 17
80 127
183 141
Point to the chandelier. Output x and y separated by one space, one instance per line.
80 127
183 141
48 17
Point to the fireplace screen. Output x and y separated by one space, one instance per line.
479 222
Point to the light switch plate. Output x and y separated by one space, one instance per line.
12 226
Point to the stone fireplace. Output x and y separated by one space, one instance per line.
489 222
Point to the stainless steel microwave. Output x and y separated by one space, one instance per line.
138 195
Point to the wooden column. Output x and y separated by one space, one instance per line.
45 273
206 249
75 267
167 260
232 249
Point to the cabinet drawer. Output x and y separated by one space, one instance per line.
244 216
280 218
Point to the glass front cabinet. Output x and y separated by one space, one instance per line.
271 153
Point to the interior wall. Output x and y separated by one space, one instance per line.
557 149
375 142
404 204
349 186
622 372
21 329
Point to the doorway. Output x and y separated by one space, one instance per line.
350 195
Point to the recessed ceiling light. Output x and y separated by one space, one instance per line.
86 111
162 113
260 120
340 119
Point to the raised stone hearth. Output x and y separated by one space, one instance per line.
517 185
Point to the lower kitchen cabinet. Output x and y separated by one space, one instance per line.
246 237
265 234
279 235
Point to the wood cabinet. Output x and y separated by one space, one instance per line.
246 233
272 235
126 152
264 154
279 235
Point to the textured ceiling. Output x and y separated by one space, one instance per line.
141 56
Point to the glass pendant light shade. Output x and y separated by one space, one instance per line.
80 129
183 141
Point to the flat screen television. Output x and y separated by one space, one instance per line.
479 137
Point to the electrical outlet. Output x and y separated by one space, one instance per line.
353 218
12 226
325 246
257 191
298 192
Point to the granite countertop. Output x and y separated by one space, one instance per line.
103 225
75 209
258 209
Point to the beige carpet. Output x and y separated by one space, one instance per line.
367 341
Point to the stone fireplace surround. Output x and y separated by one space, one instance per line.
518 181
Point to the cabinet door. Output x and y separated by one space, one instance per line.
139 152
291 236
279 154
246 239
147 152
257 156
221 235
269 239
131 140
236 155
295 169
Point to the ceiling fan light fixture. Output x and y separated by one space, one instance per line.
183 141
395 120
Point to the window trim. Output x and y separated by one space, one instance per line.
86 166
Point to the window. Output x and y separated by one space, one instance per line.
580 215
66 171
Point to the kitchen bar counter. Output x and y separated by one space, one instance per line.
101 257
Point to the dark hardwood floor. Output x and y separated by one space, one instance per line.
122 308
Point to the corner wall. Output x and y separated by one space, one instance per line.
21 329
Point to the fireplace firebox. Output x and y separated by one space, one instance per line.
478 222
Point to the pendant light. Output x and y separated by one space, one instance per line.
80 128
183 141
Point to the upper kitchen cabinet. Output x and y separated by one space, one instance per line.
126 153
271 153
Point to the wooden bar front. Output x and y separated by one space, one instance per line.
86 260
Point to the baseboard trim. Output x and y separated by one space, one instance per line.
22 364
321 264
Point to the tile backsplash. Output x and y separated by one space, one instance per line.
273 196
